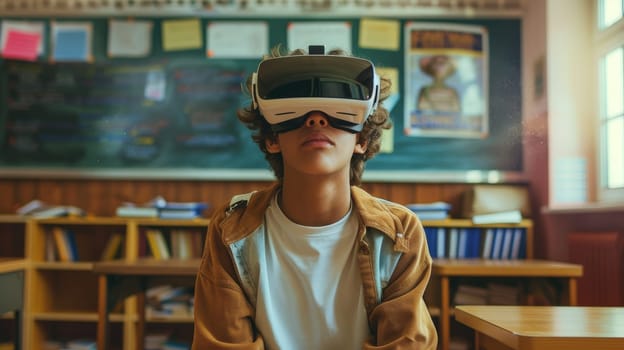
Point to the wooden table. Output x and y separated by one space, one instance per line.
446 269
12 292
544 327
120 278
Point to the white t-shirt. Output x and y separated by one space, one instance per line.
310 290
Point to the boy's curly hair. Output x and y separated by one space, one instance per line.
370 134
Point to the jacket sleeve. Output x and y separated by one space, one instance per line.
401 320
223 315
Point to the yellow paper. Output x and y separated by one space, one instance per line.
380 34
181 34
392 74
387 140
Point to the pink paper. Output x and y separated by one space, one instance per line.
21 45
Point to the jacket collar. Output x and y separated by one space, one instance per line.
242 219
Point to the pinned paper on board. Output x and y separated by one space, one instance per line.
237 39
72 41
129 38
181 34
31 28
332 34
392 74
380 34
21 46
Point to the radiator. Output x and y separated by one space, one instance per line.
602 257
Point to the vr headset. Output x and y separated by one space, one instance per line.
287 88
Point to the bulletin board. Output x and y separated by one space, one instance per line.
93 119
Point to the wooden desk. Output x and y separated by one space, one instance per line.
119 278
445 269
544 327
12 292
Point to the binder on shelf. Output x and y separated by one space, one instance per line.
506 248
431 236
519 244
453 243
488 241
497 244
441 242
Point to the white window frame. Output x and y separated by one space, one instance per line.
606 40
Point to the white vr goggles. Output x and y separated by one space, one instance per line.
287 88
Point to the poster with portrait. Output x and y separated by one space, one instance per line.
446 67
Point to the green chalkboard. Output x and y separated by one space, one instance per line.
176 111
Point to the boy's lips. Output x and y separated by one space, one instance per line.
316 138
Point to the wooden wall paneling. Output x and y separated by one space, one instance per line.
427 193
24 192
50 191
402 193
377 189
7 197
124 191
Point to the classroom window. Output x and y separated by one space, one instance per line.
610 48
610 12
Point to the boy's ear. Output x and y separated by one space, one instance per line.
360 146
272 145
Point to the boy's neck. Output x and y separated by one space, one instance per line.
317 203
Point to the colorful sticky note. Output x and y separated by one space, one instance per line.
181 34
380 34
70 45
129 38
21 45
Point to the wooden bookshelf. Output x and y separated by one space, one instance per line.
448 273
13 233
62 296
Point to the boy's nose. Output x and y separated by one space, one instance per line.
316 119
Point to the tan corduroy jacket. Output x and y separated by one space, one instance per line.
394 262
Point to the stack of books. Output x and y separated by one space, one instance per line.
163 209
431 211
181 210
167 302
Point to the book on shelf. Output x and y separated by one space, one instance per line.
503 217
65 243
502 294
175 345
81 344
476 242
453 243
486 251
518 245
112 248
168 301
467 295
157 244
182 244
39 209
129 211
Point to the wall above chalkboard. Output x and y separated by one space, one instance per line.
173 115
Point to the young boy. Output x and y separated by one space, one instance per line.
314 262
